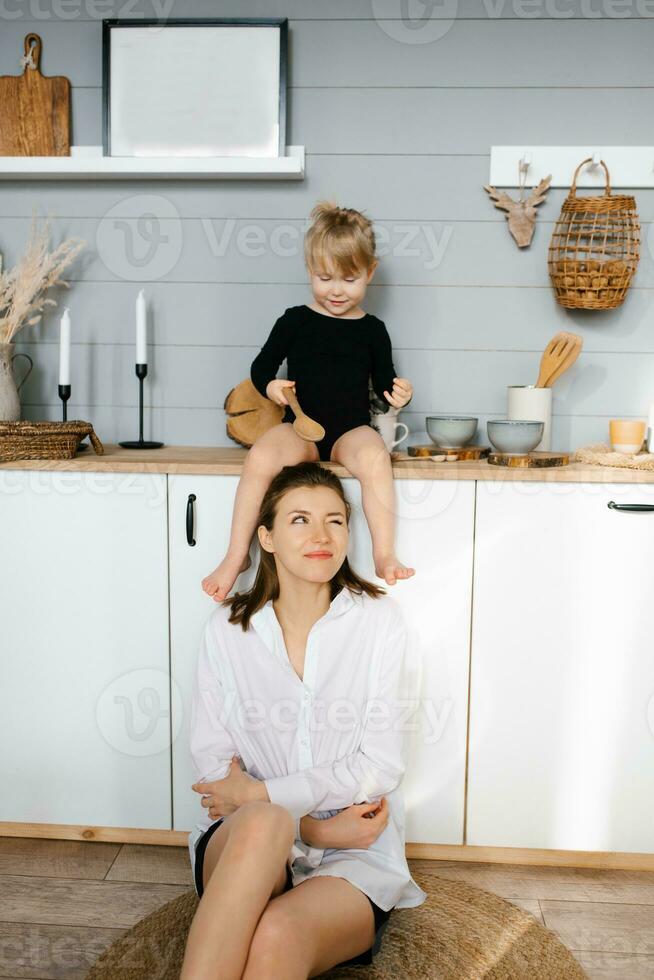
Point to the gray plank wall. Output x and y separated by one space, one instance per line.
396 121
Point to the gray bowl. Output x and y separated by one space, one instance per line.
450 431
515 435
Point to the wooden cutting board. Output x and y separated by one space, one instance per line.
249 415
529 459
34 111
453 454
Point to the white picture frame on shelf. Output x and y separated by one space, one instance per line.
194 88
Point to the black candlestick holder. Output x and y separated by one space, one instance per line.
141 443
64 394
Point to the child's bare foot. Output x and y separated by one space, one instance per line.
220 581
390 569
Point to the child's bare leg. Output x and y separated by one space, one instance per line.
243 870
363 452
279 446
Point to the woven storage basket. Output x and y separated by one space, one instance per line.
44 440
594 249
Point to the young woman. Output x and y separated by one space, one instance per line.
301 857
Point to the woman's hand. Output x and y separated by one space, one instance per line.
275 390
358 826
401 394
224 796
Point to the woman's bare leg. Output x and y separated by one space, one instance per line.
279 446
302 933
363 453
243 869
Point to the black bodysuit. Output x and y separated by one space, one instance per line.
330 359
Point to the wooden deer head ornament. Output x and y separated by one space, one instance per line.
521 214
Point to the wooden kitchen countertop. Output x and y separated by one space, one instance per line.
229 461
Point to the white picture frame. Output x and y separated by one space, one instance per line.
194 88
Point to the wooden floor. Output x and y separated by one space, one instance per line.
62 902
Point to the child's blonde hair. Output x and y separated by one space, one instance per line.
341 237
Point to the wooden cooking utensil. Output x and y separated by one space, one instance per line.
556 351
568 360
305 427
34 111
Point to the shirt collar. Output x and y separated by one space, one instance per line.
264 619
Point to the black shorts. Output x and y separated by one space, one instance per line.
381 915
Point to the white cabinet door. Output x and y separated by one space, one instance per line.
434 534
435 523
562 670
190 607
84 698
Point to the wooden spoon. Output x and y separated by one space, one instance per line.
568 360
305 427
556 351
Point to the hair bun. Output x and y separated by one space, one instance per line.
342 235
326 209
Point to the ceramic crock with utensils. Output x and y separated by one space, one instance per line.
534 402
555 356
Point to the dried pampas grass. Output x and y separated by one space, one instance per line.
23 288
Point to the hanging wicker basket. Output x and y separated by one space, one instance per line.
594 249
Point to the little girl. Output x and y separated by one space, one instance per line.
332 350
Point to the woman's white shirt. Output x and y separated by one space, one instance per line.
320 743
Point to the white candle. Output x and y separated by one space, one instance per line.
141 346
64 349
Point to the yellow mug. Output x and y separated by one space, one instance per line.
627 435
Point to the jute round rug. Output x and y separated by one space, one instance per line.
459 933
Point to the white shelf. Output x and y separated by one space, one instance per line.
88 163
629 166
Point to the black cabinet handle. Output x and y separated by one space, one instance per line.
190 540
635 507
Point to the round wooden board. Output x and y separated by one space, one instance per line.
249 414
452 454
529 459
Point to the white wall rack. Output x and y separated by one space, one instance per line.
629 166
89 163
